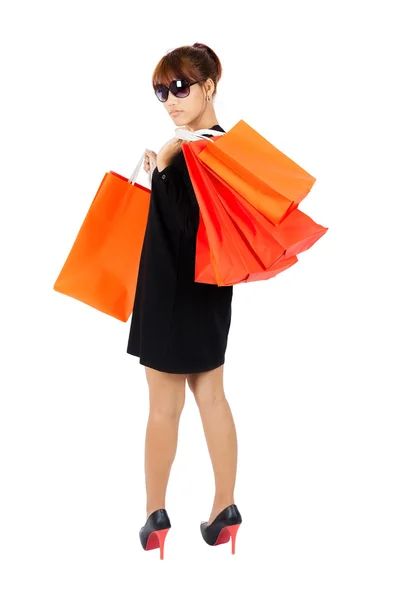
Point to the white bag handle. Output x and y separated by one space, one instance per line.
192 136
135 173
180 133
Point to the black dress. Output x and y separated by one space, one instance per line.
178 325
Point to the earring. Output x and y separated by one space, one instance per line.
208 98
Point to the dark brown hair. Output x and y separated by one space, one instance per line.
194 63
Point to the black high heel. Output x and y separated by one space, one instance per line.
153 533
224 527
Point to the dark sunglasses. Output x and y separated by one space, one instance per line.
179 88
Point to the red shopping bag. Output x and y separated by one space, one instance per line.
296 233
263 175
234 259
102 267
206 269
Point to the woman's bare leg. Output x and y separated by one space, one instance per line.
220 432
167 398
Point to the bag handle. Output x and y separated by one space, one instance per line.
192 136
135 172
182 134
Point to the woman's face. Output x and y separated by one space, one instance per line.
187 110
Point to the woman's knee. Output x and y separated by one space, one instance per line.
207 387
166 392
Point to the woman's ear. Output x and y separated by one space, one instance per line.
209 86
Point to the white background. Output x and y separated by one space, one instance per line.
312 363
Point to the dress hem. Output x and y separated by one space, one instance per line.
146 363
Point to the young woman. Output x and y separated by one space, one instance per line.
179 327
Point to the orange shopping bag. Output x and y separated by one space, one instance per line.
297 232
102 267
268 179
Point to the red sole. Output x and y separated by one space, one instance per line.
226 533
157 540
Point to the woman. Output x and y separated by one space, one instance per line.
179 327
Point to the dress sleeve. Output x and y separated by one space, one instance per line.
178 188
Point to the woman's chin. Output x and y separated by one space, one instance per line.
179 123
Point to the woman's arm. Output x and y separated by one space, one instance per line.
175 184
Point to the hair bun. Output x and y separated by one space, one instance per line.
212 56
200 45
209 50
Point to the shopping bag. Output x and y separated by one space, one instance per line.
206 268
233 259
267 178
296 233
102 267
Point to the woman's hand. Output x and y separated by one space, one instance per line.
146 162
167 152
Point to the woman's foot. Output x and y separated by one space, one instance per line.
223 528
150 511
216 509
153 533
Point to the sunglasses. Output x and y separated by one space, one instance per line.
179 88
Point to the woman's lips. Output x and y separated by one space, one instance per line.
175 112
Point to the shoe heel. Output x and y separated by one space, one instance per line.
157 540
233 529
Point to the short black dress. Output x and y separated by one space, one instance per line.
178 325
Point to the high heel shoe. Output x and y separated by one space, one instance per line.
223 528
153 533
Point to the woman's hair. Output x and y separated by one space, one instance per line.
193 63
